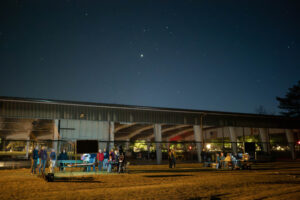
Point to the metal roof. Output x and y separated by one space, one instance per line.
15 107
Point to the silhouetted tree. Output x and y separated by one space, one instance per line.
291 102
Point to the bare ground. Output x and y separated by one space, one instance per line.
187 181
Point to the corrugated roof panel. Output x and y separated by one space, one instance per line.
26 108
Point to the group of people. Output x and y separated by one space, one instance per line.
230 159
40 158
106 160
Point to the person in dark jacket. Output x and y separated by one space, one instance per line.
93 160
62 156
43 159
106 157
35 157
121 162
112 154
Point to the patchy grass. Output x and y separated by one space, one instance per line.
187 181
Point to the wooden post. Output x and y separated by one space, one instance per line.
244 140
75 150
223 139
27 147
201 127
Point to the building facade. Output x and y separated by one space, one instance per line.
40 119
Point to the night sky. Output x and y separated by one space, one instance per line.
211 55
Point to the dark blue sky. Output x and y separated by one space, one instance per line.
211 55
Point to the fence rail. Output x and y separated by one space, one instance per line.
143 151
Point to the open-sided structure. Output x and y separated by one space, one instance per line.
40 119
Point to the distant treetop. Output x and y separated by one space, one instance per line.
291 102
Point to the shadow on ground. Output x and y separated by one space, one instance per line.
76 179
214 197
171 170
164 176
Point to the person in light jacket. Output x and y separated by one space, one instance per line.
52 161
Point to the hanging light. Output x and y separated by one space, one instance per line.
208 146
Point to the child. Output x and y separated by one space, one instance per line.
109 164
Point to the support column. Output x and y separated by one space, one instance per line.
199 140
4 145
148 148
27 147
291 142
55 136
233 139
264 137
127 144
157 135
29 127
103 135
111 134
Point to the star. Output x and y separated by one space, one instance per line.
141 55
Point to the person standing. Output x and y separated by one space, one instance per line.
52 160
35 157
100 159
116 161
170 158
227 160
222 158
93 161
109 164
218 161
43 159
62 156
106 156
121 162
173 158
112 154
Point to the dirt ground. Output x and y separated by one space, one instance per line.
187 181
